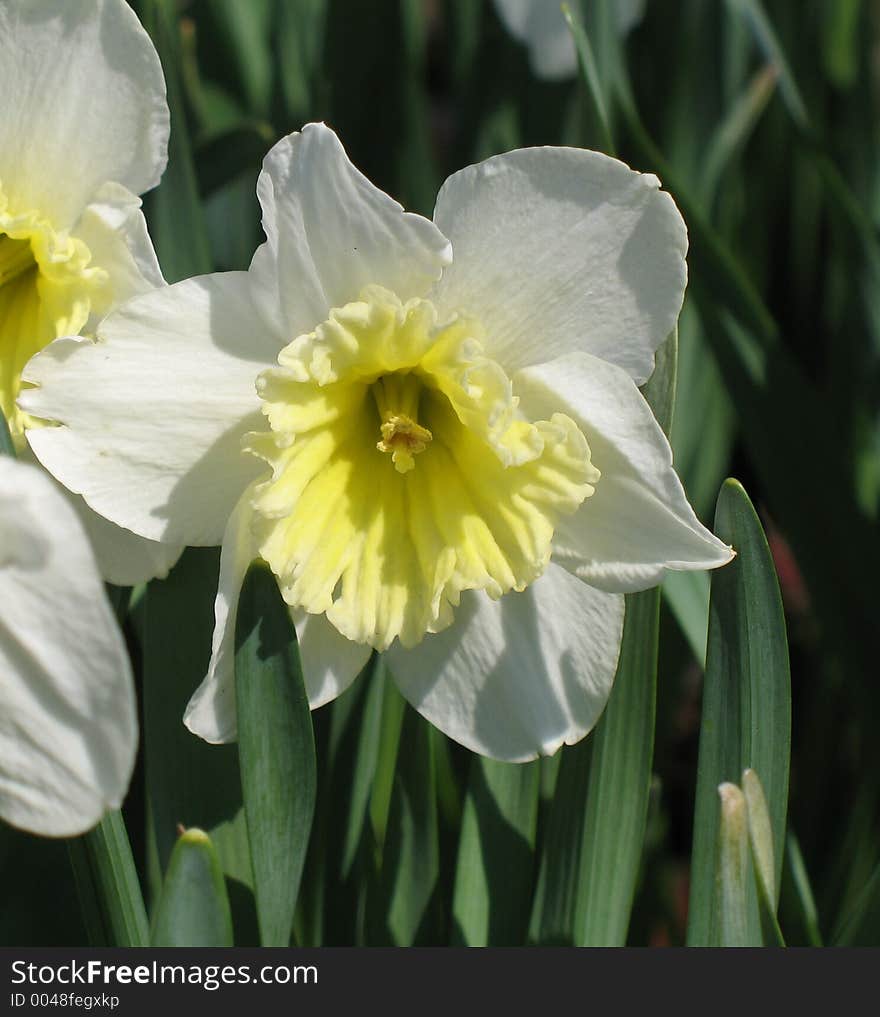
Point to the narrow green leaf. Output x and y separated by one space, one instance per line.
276 748
242 41
746 719
796 902
299 31
174 212
734 870
620 783
765 36
687 594
194 908
366 760
390 729
6 446
733 132
554 907
108 885
861 925
189 782
495 867
404 908
589 76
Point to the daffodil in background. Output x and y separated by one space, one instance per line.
540 25
431 431
68 721
83 132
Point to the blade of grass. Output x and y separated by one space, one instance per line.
194 908
495 867
589 77
746 720
173 210
190 782
276 748
404 908
796 902
108 886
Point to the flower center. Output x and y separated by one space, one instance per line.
460 492
397 399
46 290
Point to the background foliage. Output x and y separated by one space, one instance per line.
761 119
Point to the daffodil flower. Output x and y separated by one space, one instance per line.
68 722
83 132
540 24
431 431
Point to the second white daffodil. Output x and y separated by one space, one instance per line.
83 132
431 431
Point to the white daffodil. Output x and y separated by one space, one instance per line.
83 132
68 722
540 24
444 407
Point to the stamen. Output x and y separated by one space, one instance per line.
397 398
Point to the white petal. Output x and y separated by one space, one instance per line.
153 413
638 524
520 676
68 724
331 232
115 231
540 25
558 249
122 557
330 662
83 103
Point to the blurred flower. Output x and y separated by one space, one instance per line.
83 131
451 404
541 25
68 723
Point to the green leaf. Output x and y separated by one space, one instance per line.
174 212
495 867
766 39
300 31
861 925
796 903
366 761
589 76
687 594
746 721
390 730
107 885
189 782
276 748
194 908
404 909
